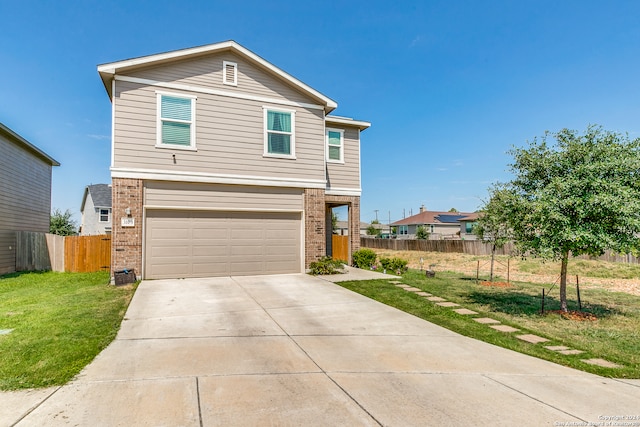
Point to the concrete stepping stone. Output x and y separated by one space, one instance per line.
436 299
570 352
530 338
5 331
556 347
411 289
402 285
395 282
486 320
424 294
465 311
504 328
601 362
447 304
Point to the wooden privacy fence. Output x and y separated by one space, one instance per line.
471 247
340 247
83 254
42 251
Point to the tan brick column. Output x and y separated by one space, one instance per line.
126 242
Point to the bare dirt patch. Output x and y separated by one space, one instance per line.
468 264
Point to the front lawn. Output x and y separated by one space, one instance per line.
59 322
614 336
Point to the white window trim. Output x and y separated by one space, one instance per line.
292 155
341 132
225 78
159 143
100 215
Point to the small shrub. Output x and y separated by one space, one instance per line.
326 265
364 258
395 265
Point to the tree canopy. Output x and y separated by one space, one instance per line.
572 194
61 223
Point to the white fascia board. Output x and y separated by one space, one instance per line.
107 71
362 125
344 192
162 175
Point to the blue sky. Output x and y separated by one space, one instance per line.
449 86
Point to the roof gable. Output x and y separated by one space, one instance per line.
26 145
109 71
100 195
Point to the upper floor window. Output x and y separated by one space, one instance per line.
335 145
279 127
176 121
229 73
104 215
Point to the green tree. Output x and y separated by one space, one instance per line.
375 221
577 195
453 210
334 222
62 224
373 231
422 233
493 223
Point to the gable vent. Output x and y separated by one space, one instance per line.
230 73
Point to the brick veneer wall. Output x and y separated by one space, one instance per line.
126 242
314 225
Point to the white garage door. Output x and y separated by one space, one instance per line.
205 244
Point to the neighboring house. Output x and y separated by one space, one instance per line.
439 225
25 192
466 226
342 228
223 164
96 210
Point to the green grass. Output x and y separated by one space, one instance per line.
615 336
60 322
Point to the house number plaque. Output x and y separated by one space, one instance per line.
127 222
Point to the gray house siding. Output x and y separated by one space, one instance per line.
25 194
229 137
207 72
346 175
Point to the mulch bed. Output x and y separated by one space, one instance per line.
574 315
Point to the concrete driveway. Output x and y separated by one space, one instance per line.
298 350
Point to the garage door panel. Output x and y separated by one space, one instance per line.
200 243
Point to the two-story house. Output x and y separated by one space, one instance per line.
25 192
96 210
223 164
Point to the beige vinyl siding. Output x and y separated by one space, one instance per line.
222 197
346 175
25 197
229 137
206 72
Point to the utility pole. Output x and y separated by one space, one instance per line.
376 211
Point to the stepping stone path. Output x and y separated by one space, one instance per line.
447 304
533 339
570 352
530 338
486 320
601 362
465 311
504 328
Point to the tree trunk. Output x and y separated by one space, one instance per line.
563 282
493 254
